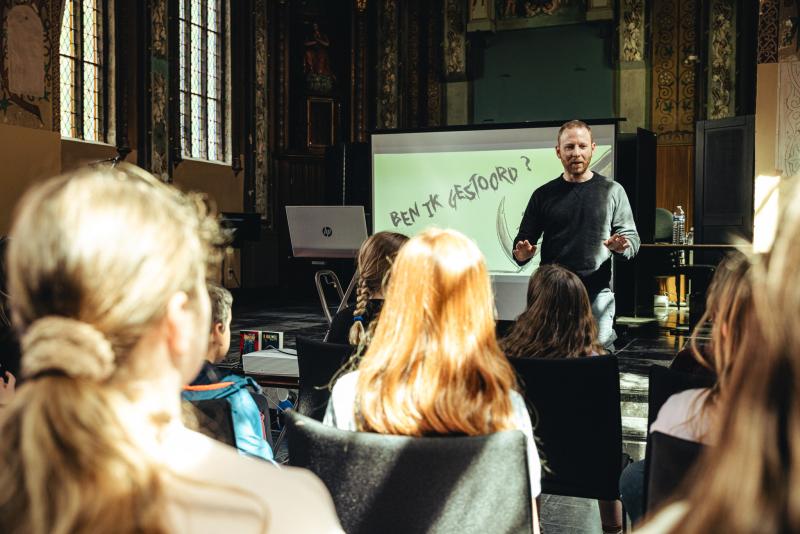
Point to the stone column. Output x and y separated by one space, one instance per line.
632 83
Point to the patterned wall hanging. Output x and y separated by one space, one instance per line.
159 80
674 59
768 31
455 44
722 59
387 65
788 27
631 35
262 174
788 156
29 45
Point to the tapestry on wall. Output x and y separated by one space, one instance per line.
261 108
27 76
788 149
673 78
788 42
159 79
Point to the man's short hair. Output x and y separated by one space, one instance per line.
221 302
570 125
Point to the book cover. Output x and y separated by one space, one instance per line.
249 341
271 339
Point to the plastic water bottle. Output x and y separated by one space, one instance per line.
679 226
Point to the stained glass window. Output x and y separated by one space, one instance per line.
202 78
82 65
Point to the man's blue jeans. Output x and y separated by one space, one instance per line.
631 488
603 308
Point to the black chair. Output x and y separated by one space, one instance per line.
670 459
389 484
575 409
317 362
664 383
214 420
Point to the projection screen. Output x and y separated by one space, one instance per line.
477 182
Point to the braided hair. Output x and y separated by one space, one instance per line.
374 261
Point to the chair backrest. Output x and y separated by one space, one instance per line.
383 483
663 226
665 382
214 420
317 362
671 460
575 409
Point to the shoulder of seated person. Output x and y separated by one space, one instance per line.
221 463
294 499
665 520
687 395
679 406
347 380
516 397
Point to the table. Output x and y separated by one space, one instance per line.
662 259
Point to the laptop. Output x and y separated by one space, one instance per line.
326 231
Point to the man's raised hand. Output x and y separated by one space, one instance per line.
523 250
617 243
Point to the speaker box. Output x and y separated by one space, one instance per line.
635 169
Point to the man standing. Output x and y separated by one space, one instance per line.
584 218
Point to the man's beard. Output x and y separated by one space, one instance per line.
578 167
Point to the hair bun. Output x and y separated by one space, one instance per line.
65 345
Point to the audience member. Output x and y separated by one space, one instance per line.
690 414
355 324
219 339
248 405
9 347
697 358
558 323
8 384
748 482
433 366
107 275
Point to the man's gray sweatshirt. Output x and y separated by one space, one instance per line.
575 219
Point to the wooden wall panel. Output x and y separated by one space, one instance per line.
675 178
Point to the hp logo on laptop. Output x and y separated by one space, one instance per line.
327 231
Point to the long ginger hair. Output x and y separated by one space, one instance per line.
434 366
94 257
558 322
375 259
750 481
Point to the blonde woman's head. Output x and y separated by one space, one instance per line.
108 248
103 264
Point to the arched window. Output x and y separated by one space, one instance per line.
83 59
203 68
